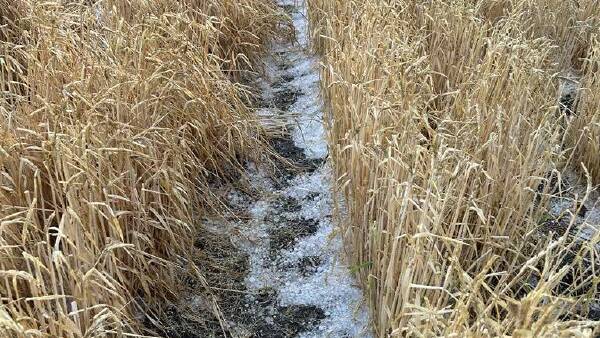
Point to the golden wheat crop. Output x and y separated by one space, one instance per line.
444 128
115 116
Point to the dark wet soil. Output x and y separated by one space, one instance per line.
175 324
286 148
223 267
248 314
288 204
309 265
286 236
262 316
283 81
580 259
568 104
285 98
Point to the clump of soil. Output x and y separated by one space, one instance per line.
567 104
553 185
289 204
297 318
311 196
286 148
558 227
309 265
285 98
285 237
264 319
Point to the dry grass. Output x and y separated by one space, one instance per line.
444 126
115 117
584 130
569 24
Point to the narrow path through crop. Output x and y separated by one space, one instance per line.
300 284
274 268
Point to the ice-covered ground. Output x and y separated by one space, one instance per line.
291 239
577 209
329 285
587 221
575 204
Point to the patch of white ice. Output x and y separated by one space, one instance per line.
331 288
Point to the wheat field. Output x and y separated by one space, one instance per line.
446 131
115 118
464 137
